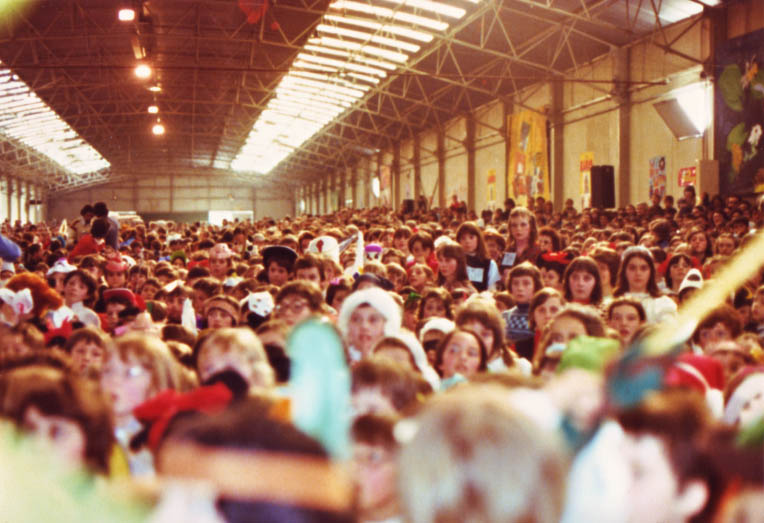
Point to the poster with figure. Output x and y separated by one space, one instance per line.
687 176
528 164
739 113
658 176
490 189
586 161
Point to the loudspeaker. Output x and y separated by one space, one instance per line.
603 186
408 206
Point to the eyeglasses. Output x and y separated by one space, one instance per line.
295 307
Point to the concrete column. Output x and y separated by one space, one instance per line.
441 152
396 176
354 186
379 176
508 109
18 201
557 169
417 160
9 195
469 145
623 96
367 177
342 189
27 196
327 184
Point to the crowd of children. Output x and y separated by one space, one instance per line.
480 368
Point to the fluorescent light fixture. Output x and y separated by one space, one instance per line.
354 47
694 102
26 118
381 28
155 89
158 129
153 109
126 15
142 71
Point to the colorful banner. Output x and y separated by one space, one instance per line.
658 176
528 169
586 160
738 114
490 188
687 176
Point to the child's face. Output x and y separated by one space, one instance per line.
520 228
433 307
551 278
712 335
419 252
75 290
115 280
546 311
469 242
198 299
136 281
277 275
545 243
483 331
522 289
87 356
447 267
58 279
461 355
493 249
338 298
374 477
148 291
218 267
757 308
365 328
625 319
565 329
293 309
581 285
112 315
127 384
174 304
417 277
401 243
218 319
64 434
311 274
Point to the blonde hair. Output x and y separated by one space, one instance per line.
473 458
150 352
244 342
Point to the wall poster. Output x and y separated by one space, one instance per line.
687 176
658 176
739 113
490 188
528 166
586 161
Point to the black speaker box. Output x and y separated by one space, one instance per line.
603 186
408 206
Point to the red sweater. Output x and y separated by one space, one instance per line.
86 245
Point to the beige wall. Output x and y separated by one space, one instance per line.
591 119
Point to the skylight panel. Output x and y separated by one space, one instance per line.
26 118
356 45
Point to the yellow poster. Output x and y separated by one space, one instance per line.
587 160
527 164
490 186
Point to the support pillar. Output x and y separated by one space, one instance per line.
508 109
469 145
354 186
367 177
342 190
417 160
18 201
557 173
27 196
9 194
623 96
441 153
396 176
